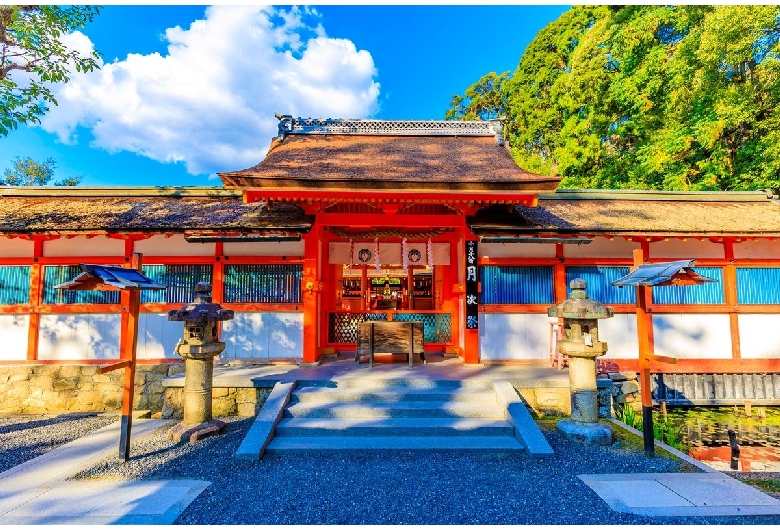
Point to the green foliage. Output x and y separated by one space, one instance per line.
767 485
484 100
31 44
29 172
664 430
668 97
628 416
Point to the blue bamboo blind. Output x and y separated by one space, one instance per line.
758 285
517 285
180 279
56 274
706 293
263 284
15 284
599 284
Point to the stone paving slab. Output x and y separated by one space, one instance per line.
681 494
36 492
103 502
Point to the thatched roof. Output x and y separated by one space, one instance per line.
386 161
652 213
77 210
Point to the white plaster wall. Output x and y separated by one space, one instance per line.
15 248
688 249
601 247
514 336
81 246
758 336
516 250
267 335
79 336
619 332
157 336
762 248
13 330
176 245
281 248
692 336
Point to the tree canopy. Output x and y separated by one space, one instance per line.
29 172
649 97
31 48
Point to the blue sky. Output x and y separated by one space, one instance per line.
187 91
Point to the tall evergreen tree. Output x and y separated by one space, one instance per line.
651 97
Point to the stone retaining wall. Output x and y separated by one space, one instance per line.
224 402
49 388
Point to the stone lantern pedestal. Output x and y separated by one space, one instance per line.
581 345
199 346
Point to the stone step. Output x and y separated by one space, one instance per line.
348 444
409 409
352 427
396 383
384 395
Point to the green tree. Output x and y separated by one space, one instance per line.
484 100
651 97
29 172
31 44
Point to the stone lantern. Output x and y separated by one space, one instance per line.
582 345
199 346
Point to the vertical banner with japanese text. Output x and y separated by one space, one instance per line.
472 286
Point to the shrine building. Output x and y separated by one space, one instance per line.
347 221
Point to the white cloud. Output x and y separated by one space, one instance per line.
210 101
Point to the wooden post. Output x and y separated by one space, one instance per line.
310 296
128 343
643 335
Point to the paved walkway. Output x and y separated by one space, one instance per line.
37 492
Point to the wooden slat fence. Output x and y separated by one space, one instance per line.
716 389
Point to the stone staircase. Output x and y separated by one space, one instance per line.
394 415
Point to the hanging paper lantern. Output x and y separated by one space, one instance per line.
430 253
404 256
376 255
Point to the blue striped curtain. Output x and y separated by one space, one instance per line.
758 285
517 285
15 284
263 284
706 293
180 279
599 284
55 274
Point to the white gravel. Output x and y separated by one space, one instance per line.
376 489
23 437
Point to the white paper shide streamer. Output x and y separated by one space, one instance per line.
430 253
376 255
351 253
404 256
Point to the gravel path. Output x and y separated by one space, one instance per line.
24 437
397 488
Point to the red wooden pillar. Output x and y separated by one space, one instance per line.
127 348
36 297
643 327
310 296
449 298
730 286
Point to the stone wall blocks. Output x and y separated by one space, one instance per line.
72 370
219 392
629 387
15 378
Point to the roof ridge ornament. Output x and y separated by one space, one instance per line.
290 125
